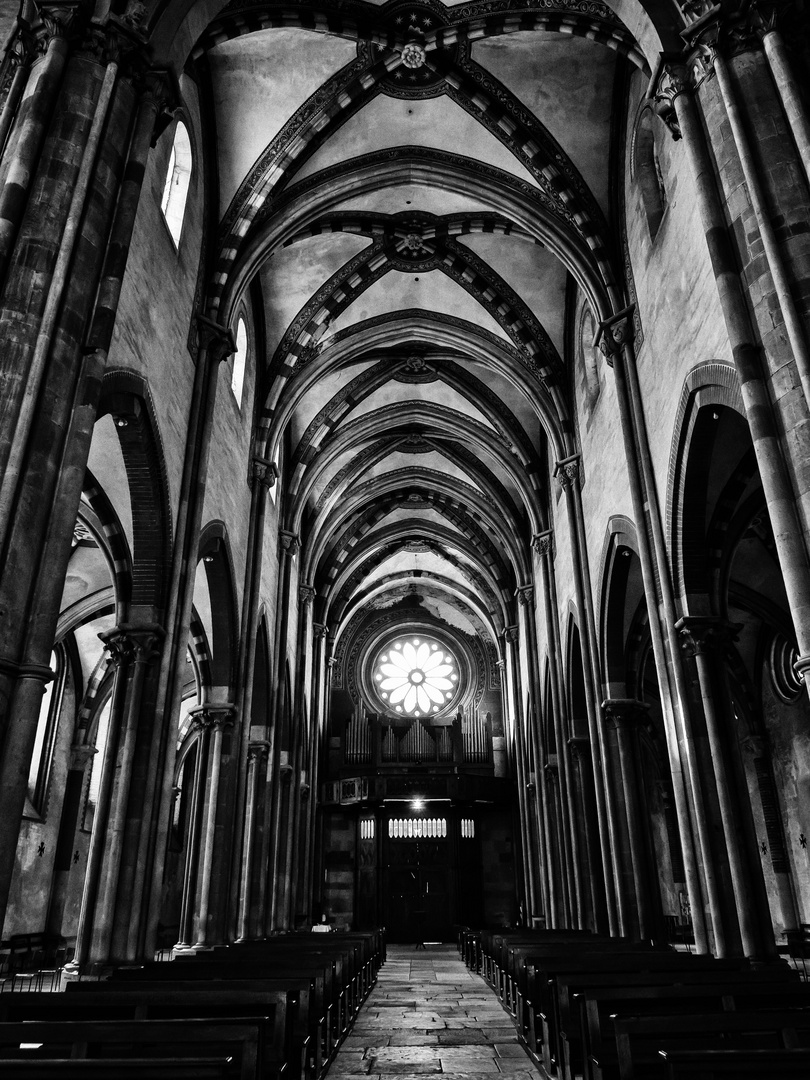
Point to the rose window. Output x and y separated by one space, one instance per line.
416 676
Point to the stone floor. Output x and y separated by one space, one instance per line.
429 1014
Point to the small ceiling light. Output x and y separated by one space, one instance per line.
121 421
418 804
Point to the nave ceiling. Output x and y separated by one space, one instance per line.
417 200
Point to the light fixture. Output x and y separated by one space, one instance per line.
418 804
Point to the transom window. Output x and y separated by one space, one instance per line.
416 676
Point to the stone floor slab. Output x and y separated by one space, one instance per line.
428 1014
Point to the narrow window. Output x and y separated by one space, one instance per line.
239 358
178 177
646 170
39 771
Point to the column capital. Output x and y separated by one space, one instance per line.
263 472
319 630
543 542
22 49
214 714
501 666
258 750
306 594
705 634
134 643
80 754
525 595
512 634
289 542
567 471
580 746
672 77
625 711
616 332
714 29
216 339
160 90
116 41
58 19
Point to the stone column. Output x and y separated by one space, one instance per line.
80 755
549 884
568 475
593 884
133 649
675 101
263 477
217 717
317 724
705 639
185 935
256 761
69 212
615 341
512 677
626 714
302 758
544 547
279 767
214 343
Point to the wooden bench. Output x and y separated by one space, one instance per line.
635 1055
241 1040
736 1064
593 1008
121 1069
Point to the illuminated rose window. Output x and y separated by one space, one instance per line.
416 676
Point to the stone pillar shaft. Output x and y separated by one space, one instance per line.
568 474
570 851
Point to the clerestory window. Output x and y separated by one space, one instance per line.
178 178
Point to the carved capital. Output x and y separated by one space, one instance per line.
625 711
306 594
80 754
580 747
319 630
264 472
671 78
729 32
699 634
616 332
258 751
543 543
567 471
215 715
289 542
138 644
512 634
525 595
215 339
22 48
160 91
58 20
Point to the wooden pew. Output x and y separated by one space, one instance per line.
121 1069
294 1030
593 1007
240 1040
635 1055
736 1064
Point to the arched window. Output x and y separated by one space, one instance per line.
39 771
646 170
239 359
178 178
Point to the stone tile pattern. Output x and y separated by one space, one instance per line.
429 1014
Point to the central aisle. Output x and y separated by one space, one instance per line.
429 1014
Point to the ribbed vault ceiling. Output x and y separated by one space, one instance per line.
414 192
